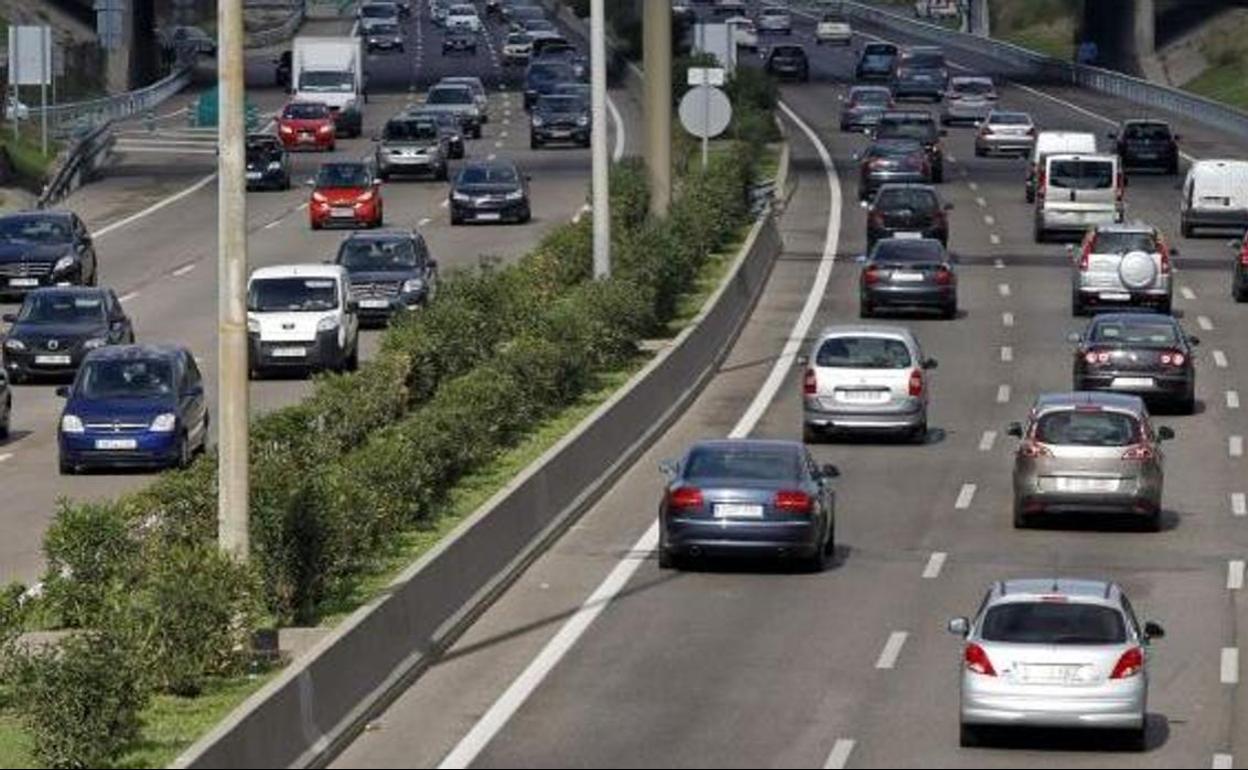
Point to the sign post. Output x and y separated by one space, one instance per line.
705 111
30 64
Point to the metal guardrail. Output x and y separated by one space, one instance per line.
77 118
84 158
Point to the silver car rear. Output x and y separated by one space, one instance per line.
969 99
1008 133
1119 265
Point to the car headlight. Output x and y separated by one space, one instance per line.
275 165
164 423
72 423
327 324
253 326
14 344
64 263
537 121
413 286
582 120
98 342
515 195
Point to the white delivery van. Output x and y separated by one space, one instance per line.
1049 142
1075 192
1215 194
330 70
301 318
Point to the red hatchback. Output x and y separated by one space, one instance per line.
306 126
345 194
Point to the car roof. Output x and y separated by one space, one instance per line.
891 186
1099 156
867 330
38 214
139 350
1074 399
500 163
915 115
309 270
970 79
70 290
737 443
1079 590
1133 315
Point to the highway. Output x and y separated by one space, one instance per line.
595 657
153 215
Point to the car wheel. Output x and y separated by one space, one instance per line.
1077 308
442 173
353 361
811 435
534 143
1186 229
1021 519
866 310
66 468
950 311
918 434
4 426
1187 404
1137 739
184 452
667 559
383 176
1030 195
1165 306
938 174
1239 293
1038 233
968 736
456 219
816 562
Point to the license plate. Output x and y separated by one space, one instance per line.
1115 296
289 352
341 212
116 443
253 176
908 235
861 396
907 277
737 511
60 360
307 138
1077 484
375 304
489 216
1132 382
1045 674
560 134
23 281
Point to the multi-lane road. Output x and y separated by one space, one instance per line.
153 215
595 657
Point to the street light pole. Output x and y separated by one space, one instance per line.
232 411
657 55
598 140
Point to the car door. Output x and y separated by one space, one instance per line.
193 402
350 319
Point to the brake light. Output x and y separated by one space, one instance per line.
1042 178
1243 254
685 499
1173 358
944 276
1164 250
916 383
1032 450
794 501
877 163
1095 357
1139 453
1130 664
976 660
1085 256
871 275
810 383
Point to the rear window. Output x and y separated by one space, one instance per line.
923 61
410 130
1081 174
745 463
894 149
788 51
900 250
1123 243
1091 429
1009 119
880 49
906 198
873 96
1055 622
451 95
1135 332
1148 131
921 127
863 353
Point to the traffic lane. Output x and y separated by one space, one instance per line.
447 700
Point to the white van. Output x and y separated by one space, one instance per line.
1075 192
1215 194
301 318
1049 142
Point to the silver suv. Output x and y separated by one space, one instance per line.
1119 265
1055 652
1088 452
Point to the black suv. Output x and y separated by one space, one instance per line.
789 61
559 118
390 270
921 72
920 126
1147 144
876 62
268 164
907 211
58 326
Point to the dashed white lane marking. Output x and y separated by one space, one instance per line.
507 121
498 143
995 240
839 756
424 221
303 206
951 158
128 296
1007 354
1235 446
4 458
1235 574
181 271
1229 670
1003 394
273 224
502 134
966 495
1007 319
934 564
892 649
1219 359
1204 323
1232 399
990 220
998 263
1223 762
1239 504
492 156
987 440
981 202
974 186
1004 289
1187 292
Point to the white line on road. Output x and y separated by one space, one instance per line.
157 206
445 203
1232 399
892 649
1223 762
1003 394
1187 292
1235 446
1229 669
1239 504
981 202
839 756
1007 354
124 298
1219 359
995 240
974 186
4 458
273 224
950 158
1235 574
987 440
471 745
423 222
965 496
1004 289
498 144
990 220
1204 323
934 564
1007 319
617 153
181 271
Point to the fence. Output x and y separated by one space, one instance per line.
77 167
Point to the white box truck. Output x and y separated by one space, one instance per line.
331 70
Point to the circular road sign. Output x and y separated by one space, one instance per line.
705 111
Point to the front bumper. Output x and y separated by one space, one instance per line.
152 450
1140 497
517 211
789 71
307 140
712 537
26 365
1116 705
957 111
265 180
548 134
329 215
410 164
17 285
1140 159
316 355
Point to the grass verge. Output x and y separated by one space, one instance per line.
29 162
1223 83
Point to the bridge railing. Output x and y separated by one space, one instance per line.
79 118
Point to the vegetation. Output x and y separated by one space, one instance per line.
1227 51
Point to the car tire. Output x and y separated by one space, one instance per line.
866 310
442 174
383 176
8 416
667 559
816 562
353 360
1186 229
185 456
1137 739
1239 293
456 219
918 434
938 174
811 435
1021 519
1030 195
1173 168
1077 308
534 143
1166 306
65 468
968 736
1187 404
950 312
316 225
979 152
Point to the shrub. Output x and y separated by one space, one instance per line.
91 550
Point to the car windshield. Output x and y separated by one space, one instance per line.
261 151
973 87
774 12
54 307
518 38
870 96
924 61
488 175
533 25
1148 131
34 228
407 130
560 104
371 254
463 10
128 378
310 111
551 70
328 81
1143 331
863 353
379 11
1081 174
906 198
292 295
1110 242
384 29
787 52
878 59
1009 119
1089 428
881 49
893 250
743 463
1053 622
342 175
450 95
922 129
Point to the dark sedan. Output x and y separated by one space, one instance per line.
57 327
864 106
911 274
268 163
451 128
1147 144
921 126
888 161
490 191
789 61
744 496
876 62
1146 354
907 211
390 271
44 248
558 118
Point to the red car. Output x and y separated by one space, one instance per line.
345 194
306 126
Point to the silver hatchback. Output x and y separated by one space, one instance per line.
1088 452
1054 652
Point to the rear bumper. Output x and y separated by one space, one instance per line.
736 537
1235 218
1058 220
955 111
932 90
577 135
322 215
1173 387
1113 708
1092 297
1144 501
24 365
906 419
905 296
1010 144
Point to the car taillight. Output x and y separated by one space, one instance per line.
685 499
810 383
1032 450
944 276
976 660
1164 250
794 501
1130 664
1085 256
1139 453
871 275
877 163
1173 358
1095 357
916 383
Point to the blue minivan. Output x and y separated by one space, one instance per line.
133 406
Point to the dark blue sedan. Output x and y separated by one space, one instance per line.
133 406
767 498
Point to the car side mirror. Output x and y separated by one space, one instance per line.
1165 433
959 627
1153 630
669 468
433 264
63 391
10 318
829 471
1015 429
930 363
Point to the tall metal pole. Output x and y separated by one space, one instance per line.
45 71
232 411
598 139
657 56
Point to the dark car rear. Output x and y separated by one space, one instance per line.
887 161
921 126
789 61
1147 354
876 62
921 72
1148 144
907 211
908 273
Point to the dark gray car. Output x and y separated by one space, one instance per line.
390 271
559 118
911 274
891 161
744 496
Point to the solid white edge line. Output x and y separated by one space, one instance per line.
934 564
1235 574
838 758
1229 668
157 206
617 153
489 725
4 458
966 496
124 298
1187 292
892 650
